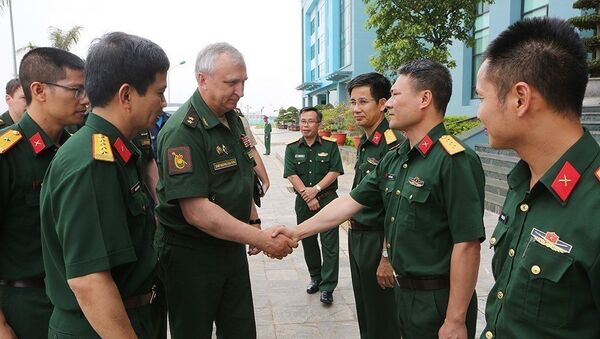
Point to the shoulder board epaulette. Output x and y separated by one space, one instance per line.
101 149
191 118
292 141
451 145
390 137
8 139
329 139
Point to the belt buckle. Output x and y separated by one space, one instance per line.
152 295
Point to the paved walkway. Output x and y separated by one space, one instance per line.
283 308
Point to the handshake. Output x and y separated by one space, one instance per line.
276 242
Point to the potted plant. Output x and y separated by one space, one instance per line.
590 21
335 120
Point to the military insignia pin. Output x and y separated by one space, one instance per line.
372 161
550 240
225 149
219 150
323 154
416 181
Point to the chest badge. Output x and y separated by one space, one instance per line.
180 160
550 240
373 161
323 154
416 181
565 181
222 149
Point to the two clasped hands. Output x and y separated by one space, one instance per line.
276 242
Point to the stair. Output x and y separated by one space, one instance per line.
498 163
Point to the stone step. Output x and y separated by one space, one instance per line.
592 125
495 172
498 160
494 202
591 116
496 186
596 135
590 109
489 149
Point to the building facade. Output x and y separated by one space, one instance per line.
335 47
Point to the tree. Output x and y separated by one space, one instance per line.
414 29
590 20
63 39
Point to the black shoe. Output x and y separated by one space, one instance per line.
313 287
327 297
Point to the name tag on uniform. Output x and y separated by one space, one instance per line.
221 165
135 187
300 156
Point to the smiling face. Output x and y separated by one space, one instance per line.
404 104
224 86
367 111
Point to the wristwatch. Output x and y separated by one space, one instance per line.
384 253
318 187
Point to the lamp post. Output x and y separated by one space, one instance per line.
12 36
169 80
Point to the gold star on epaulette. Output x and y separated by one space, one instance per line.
451 145
9 139
101 149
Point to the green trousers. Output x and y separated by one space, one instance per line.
323 261
267 143
422 313
27 310
206 283
375 307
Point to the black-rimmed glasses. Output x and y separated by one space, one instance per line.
79 91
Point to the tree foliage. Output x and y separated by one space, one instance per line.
62 39
414 29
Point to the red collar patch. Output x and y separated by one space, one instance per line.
598 174
565 181
37 143
376 138
123 151
425 145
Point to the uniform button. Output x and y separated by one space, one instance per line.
386 189
363 149
489 335
535 269
388 245
397 192
404 166
368 171
310 161
392 219
15 132
500 295
410 197
493 241
310 183
298 163
511 253
524 207
309 172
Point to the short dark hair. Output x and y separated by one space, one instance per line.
12 86
119 58
311 109
547 54
430 75
378 84
46 64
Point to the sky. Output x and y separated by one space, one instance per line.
267 32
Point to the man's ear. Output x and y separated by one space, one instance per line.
124 95
521 97
37 91
426 98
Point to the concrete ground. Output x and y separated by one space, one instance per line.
282 306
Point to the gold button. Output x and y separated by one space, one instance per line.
535 269
392 219
493 241
388 245
309 172
15 132
410 197
397 192
500 295
368 171
511 253
310 161
405 166
363 149
387 189
524 207
489 335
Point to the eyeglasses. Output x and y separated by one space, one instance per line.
359 103
79 91
308 122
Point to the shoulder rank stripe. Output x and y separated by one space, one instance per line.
329 139
451 145
390 137
101 149
9 139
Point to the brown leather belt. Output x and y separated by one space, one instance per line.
425 284
356 226
27 282
324 195
140 300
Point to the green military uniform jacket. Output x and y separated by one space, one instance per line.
23 163
311 164
95 217
268 128
198 156
368 154
6 120
432 200
546 251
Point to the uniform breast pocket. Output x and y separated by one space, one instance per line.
366 168
544 275
322 165
415 203
301 165
137 204
495 241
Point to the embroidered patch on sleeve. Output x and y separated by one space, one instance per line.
180 160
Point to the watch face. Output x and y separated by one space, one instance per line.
384 253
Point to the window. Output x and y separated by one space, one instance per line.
344 32
481 34
312 52
534 8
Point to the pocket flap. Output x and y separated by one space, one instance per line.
543 263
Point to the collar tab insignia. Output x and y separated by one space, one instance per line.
37 142
122 150
425 145
565 181
376 138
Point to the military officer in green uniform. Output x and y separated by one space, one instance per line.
432 190
26 149
15 100
312 165
268 129
372 273
546 256
97 227
205 208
